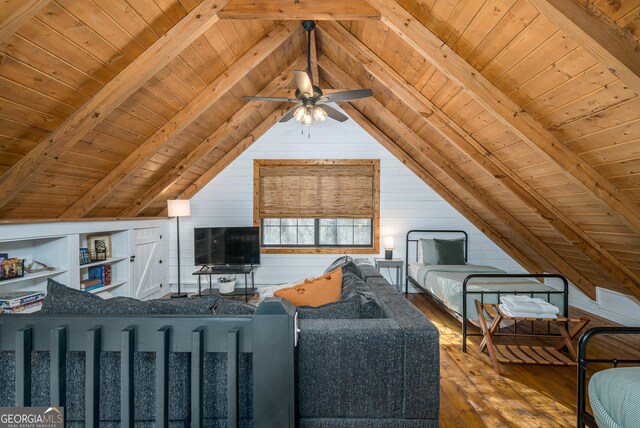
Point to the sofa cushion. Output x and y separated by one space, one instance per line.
367 270
61 299
316 292
347 264
232 307
342 309
354 286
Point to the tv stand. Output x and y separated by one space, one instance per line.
209 271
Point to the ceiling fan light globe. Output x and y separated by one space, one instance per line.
307 120
319 114
300 113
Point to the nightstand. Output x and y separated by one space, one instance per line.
396 264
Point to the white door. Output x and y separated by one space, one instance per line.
146 263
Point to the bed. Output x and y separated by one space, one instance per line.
456 286
614 393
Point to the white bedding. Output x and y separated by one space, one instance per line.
445 282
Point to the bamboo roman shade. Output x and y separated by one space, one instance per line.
317 191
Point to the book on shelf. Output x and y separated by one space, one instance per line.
94 287
102 273
27 308
12 299
88 283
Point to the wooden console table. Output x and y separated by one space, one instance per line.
524 354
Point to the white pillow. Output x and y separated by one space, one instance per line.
270 290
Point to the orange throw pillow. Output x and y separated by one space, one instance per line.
314 292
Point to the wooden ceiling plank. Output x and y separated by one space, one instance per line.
375 66
181 120
27 10
108 98
300 10
611 45
506 110
209 144
480 195
231 155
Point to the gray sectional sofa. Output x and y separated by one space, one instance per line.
364 372
370 372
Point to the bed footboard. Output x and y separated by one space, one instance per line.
584 417
466 292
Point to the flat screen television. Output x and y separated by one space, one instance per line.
234 246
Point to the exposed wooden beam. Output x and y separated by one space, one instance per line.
338 35
114 93
440 159
211 142
506 110
231 155
611 45
299 10
252 58
25 11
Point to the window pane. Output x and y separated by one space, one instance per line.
271 235
362 235
345 235
289 221
362 222
327 222
289 235
328 234
271 222
345 222
306 222
305 235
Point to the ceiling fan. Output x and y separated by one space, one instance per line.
310 101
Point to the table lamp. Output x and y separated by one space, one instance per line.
178 208
388 247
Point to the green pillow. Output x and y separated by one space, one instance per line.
429 255
450 251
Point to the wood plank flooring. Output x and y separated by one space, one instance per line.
473 395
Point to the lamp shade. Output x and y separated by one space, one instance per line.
388 243
179 207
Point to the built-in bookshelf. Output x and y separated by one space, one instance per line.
117 258
58 244
50 251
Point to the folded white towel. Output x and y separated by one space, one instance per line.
520 314
528 304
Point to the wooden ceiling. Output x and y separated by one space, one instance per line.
523 114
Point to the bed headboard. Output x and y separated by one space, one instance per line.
413 239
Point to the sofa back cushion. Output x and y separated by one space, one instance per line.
353 286
315 292
68 301
347 264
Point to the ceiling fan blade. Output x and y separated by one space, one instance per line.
348 95
303 83
275 99
334 114
287 117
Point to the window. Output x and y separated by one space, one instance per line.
324 232
317 206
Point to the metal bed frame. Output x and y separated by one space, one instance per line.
268 335
468 279
584 417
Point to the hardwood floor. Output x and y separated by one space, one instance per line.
472 394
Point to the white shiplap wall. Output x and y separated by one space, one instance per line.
405 201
